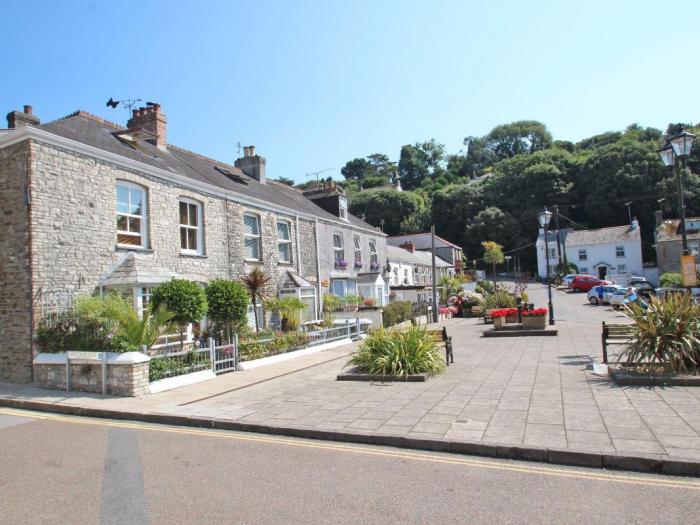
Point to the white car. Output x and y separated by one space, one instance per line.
608 290
567 279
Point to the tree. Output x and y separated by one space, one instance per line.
420 162
257 283
524 136
391 208
493 254
228 303
285 180
357 169
184 298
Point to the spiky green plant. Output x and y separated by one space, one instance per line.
666 334
399 353
289 310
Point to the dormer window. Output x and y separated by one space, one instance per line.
343 208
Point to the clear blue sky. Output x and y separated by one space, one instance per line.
314 84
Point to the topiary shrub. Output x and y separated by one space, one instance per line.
185 299
227 304
671 280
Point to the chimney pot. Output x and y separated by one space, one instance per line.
251 149
28 110
20 119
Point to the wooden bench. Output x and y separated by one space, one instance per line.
615 334
440 336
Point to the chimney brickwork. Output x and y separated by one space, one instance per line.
20 119
150 119
252 165
410 246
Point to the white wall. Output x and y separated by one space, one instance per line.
398 272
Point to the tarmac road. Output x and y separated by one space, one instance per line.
61 469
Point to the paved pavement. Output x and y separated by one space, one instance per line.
529 392
59 469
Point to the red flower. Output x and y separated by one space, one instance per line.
504 312
537 312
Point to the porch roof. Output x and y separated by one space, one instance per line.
135 269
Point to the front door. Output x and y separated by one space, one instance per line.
602 272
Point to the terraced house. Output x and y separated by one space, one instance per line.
86 204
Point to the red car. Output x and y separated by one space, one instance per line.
583 283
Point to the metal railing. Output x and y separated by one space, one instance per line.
350 330
179 363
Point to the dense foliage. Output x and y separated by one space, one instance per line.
396 312
671 280
227 304
495 187
268 343
399 353
289 311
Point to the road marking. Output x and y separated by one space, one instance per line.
415 456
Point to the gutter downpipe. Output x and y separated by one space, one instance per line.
296 228
318 271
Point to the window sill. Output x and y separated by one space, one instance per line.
194 255
253 261
285 263
128 248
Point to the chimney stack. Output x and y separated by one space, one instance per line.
21 119
150 119
251 164
410 246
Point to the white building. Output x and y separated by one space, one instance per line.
608 253
409 272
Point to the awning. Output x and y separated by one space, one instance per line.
138 270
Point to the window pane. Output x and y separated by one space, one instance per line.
135 202
356 240
183 238
251 225
191 239
194 216
283 230
125 238
121 223
183 213
251 249
284 252
337 241
339 288
122 199
134 225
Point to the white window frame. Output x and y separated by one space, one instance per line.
282 242
621 268
552 253
620 251
143 298
199 229
582 254
583 269
338 249
143 232
358 250
343 208
373 256
256 237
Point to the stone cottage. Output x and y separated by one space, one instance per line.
86 204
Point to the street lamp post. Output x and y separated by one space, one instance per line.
679 146
544 219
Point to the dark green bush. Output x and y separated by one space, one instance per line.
227 303
69 331
185 299
396 312
671 280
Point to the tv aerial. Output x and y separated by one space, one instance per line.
127 103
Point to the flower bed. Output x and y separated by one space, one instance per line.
504 315
271 344
536 318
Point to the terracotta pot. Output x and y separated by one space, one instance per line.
538 322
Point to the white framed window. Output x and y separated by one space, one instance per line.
343 208
191 238
552 253
621 268
143 299
338 250
284 241
619 251
694 248
131 215
373 259
583 269
251 230
582 254
358 250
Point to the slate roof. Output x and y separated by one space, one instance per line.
136 269
412 237
670 230
396 254
602 236
94 131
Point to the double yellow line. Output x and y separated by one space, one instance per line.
562 472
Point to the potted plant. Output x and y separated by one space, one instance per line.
499 317
352 302
535 319
368 302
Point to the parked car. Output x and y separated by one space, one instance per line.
608 290
617 298
644 289
567 279
583 283
633 281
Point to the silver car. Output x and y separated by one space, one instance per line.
608 291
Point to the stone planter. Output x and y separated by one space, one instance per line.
499 322
538 322
512 318
350 308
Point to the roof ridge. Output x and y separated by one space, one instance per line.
91 116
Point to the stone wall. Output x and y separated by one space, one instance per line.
123 379
15 282
668 255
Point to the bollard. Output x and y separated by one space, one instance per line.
212 354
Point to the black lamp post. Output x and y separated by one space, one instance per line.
544 219
679 146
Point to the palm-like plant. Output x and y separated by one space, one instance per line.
257 283
667 334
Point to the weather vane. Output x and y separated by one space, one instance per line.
128 103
